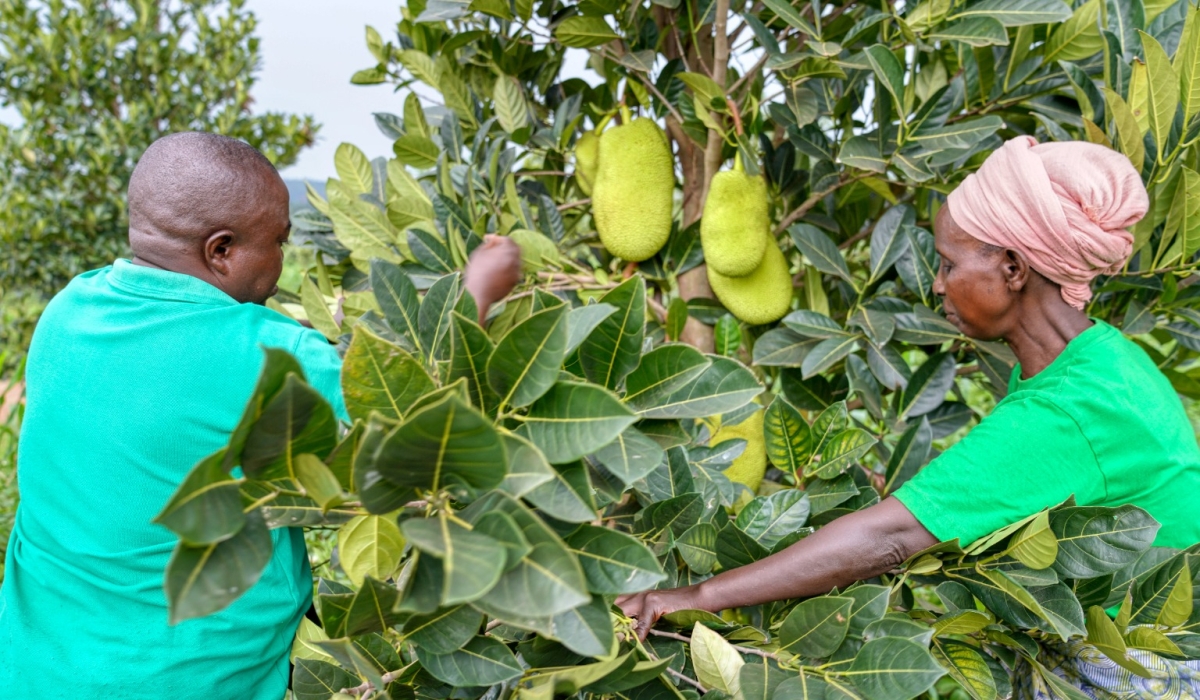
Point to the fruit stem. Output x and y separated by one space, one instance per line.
737 162
626 115
604 122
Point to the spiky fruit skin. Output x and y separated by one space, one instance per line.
763 296
587 158
634 190
750 467
736 223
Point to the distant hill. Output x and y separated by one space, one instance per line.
297 192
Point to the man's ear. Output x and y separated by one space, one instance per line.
218 251
1015 269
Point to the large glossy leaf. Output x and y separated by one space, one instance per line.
1094 541
974 31
295 421
893 667
1187 65
527 466
782 347
698 547
768 519
207 506
889 72
433 318
445 630
277 366
759 680
816 627
910 454
631 456
1015 13
317 311
313 679
737 548
567 496
822 252
726 385
967 666
526 361
370 545
471 561
587 629
470 350
789 441
613 349
200 580
927 388
379 376
1163 90
717 664
372 608
481 662
843 450
446 444
581 321
826 354
573 420
615 562
661 372
584 32
397 298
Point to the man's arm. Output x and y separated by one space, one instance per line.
493 270
852 548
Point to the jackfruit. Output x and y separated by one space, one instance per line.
736 223
749 468
763 296
587 155
634 190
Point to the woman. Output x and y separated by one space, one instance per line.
1087 414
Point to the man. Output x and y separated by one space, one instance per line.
136 372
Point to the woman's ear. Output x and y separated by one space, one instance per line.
218 251
1015 270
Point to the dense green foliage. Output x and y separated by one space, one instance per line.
502 484
93 83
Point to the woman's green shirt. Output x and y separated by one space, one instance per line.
1101 423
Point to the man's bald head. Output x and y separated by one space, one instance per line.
198 202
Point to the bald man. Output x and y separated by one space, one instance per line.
136 372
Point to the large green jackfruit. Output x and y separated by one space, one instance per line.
736 223
587 158
634 190
750 467
762 296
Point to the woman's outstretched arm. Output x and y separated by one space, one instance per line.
852 548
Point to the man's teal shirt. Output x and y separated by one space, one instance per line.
134 375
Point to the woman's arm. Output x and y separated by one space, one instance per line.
852 548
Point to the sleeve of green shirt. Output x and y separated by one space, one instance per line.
1027 455
323 369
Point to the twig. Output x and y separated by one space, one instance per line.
744 650
576 203
657 308
685 679
367 687
749 74
536 173
492 625
815 197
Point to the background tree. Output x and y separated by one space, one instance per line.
501 484
93 83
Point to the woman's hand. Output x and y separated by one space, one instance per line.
648 606
493 270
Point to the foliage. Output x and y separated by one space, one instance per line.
93 84
12 409
502 483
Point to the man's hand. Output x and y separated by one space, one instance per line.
493 270
648 606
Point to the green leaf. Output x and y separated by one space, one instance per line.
527 359
1130 141
826 354
928 386
1182 230
434 315
1187 65
698 547
1163 95
372 608
509 104
759 680
822 252
567 496
725 385
1178 606
911 453
675 514
816 627
370 545
207 506
471 561
782 347
812 324
381 377
974 31
201 580
843 450
1103 634
615 562
573 420
527 466
893 667
397 298
1035 545
717 664
631 456
313 679
470 350
588 630
736 548
768 519
445 630
661 372
582 320
703 87
416 150
784 10
446 444
789 440
295 421
677 316
889 72
1016 13
316 310
1093 541
481 662
353 168
967 666
728 336
584 32
1077 38
613 349
318 482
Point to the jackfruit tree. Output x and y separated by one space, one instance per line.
615 426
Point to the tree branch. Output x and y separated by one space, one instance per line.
812 200
744 650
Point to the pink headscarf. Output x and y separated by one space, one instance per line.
1064 206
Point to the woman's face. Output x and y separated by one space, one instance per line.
971 280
